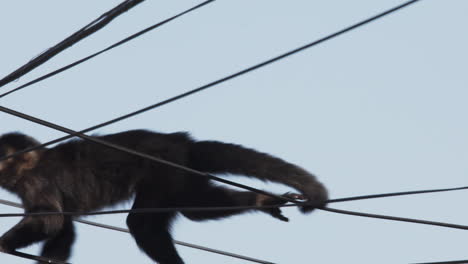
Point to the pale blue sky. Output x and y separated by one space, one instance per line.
380 109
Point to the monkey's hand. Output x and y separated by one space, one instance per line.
276 212
4 248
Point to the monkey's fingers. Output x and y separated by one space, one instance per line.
294 196
276 213
4 249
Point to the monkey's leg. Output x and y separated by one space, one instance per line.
214 196
151 231
30 230
59 246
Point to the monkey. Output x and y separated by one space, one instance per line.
82 176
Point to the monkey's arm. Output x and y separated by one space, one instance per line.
59 247
214 196
31 229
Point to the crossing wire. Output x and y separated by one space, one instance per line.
125 40
446 262
86 31
185 244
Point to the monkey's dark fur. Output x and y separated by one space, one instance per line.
84 176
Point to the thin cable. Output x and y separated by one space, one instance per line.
393 218
372 196
89 29
232 76
138 34
35 258
216 251
185 244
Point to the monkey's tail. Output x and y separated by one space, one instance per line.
218 157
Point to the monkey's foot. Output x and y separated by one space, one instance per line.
264 200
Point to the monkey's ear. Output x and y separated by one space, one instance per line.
29 160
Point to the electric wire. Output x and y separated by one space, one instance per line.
185 244
34 257
86 31
125 40
446 262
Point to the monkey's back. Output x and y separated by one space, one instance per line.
91 176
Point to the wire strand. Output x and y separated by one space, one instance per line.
34 257
446 262
125 40
91 28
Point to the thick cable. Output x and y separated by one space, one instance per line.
394 218
34 257
382 195
181 243
138 34
185 244
91 28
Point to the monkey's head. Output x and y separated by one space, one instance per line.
12 168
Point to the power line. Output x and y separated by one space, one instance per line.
89 29
35 258
394 218
446 262
138 34
185 244
372 196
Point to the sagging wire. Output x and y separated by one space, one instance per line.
34 257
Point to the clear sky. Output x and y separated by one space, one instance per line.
380 109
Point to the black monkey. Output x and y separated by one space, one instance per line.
83 176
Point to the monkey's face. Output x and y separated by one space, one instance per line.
5 165
10 144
